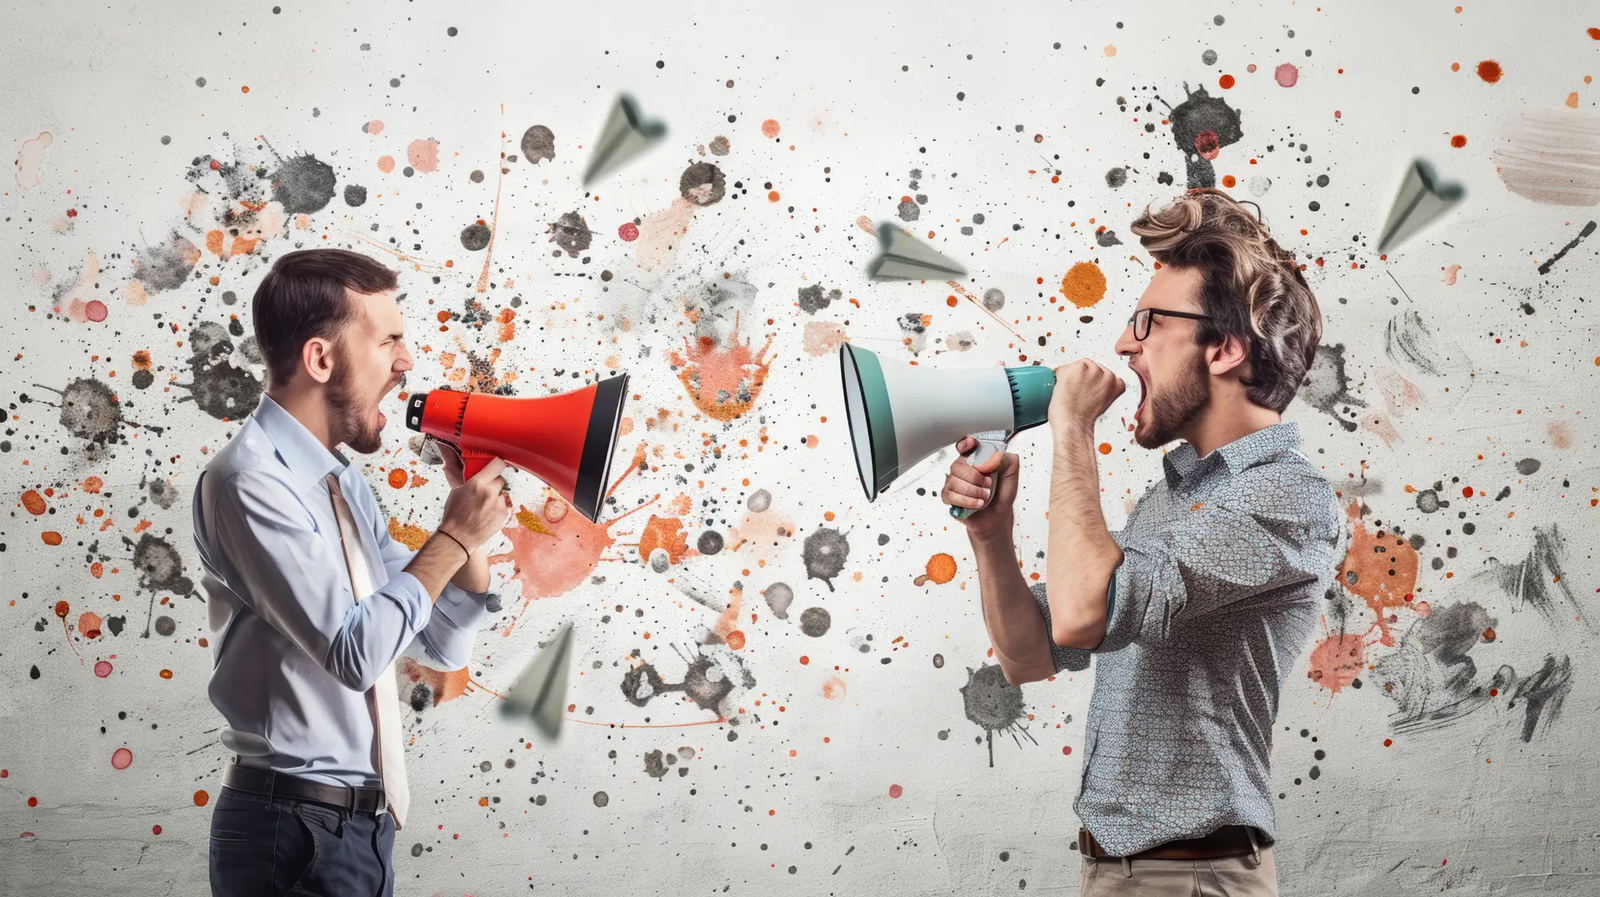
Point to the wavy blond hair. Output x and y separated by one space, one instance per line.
1251 287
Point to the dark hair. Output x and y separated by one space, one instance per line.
1251 287
304 296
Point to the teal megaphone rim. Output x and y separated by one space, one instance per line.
873 393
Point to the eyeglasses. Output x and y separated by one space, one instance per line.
1141 319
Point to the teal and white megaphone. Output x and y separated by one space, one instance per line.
900 414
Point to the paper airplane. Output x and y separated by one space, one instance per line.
904 257
541 690
624 136
1420 201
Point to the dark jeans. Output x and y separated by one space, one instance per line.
286 847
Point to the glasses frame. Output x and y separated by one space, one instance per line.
1150 313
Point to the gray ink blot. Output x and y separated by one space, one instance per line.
475 237
977 218
167 267
824 553
89 410
1164 178
994 299
779 596
1549 263
219 388
1537 578
416 849
1528 466
1259 186
1209 57
160 565
1326 387
883 538
1107 237
601 798
354 195
1116 177
702 183
161 492
476 176
1200 114
165 626
908 210
303 185
813 299
705 682
421 697
538 144
654 767
571 233
1428 501
815 621
719 146
710 542
759 501
115 624
993 704
1542 693
938 661
1408 341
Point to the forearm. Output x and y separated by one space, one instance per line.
1016 627
1082 554
474 574
439 559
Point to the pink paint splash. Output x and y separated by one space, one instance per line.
1286 75
423 155
1450 272
30 158
1207 145
122 758
1336 661
628 232
102 668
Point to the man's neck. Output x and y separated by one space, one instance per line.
309 409
1219 426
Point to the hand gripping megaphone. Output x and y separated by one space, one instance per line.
900 414
565 440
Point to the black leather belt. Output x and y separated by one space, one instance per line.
1228 841
270 784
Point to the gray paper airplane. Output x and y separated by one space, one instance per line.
904 257
541 690
1420 201
624 136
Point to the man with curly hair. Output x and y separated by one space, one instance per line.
1198 608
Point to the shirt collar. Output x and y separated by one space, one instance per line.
1242 453
304 454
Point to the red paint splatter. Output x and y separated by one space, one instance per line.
89 624
1594 33
155 829
201 798
1066 751
628 232
96 311
1337 661
1225 82
102 668
1489 71
1206 144
1286 75
896 791
736 640
121 758
1458 141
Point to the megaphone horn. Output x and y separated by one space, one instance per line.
900 414
565 440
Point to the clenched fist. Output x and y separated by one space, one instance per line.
1084 390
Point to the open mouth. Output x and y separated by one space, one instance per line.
1144 394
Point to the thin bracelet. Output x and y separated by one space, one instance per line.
441 532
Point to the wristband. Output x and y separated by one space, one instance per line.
442 532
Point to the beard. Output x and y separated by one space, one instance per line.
347 412
1177 405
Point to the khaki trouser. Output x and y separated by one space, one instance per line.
1230 877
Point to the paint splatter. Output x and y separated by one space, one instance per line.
779 597
1328 389
1490 71
538 145
993 705
1550 157
815 621
423 155
940 569
823 337
703 184
1084 284
1381 569
30 158
824 553
1197 114
570 232
815 298
303 184
1336 661
1286 75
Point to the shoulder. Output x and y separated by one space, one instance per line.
247 467
1286 486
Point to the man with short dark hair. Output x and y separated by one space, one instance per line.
1199 606
310 599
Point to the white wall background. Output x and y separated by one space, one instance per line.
857 768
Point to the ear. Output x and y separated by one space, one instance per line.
1229 355
317 357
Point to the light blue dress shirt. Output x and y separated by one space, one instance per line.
293 652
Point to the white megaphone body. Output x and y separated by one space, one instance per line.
900 414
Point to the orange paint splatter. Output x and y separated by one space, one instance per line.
33 501
423 154
736 640
89 624
724 383
769 128
1337 661
398 478
1490 71
1458 141
833 689
1572 100
1387 579
941 568
201 798
445 685
772 196
1225 82
667 534
408 534
1105 448
1084 284
51 538
386 164
1229 180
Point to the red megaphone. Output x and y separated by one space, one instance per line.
565 440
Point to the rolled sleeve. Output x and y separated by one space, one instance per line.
446 642
1062 656
286 571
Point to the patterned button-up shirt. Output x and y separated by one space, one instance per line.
1225 563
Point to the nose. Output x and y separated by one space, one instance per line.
404 363
1127 346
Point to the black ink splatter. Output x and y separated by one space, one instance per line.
993 704
1203 114
538 144
475 237
1326 387
824 553
303 184
571 233
815 621
813 298
702 184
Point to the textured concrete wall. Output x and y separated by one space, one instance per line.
778 687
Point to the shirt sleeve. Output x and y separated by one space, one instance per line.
446 642
1265 536
1064 657
289 574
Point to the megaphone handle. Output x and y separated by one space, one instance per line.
473 461
989 445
